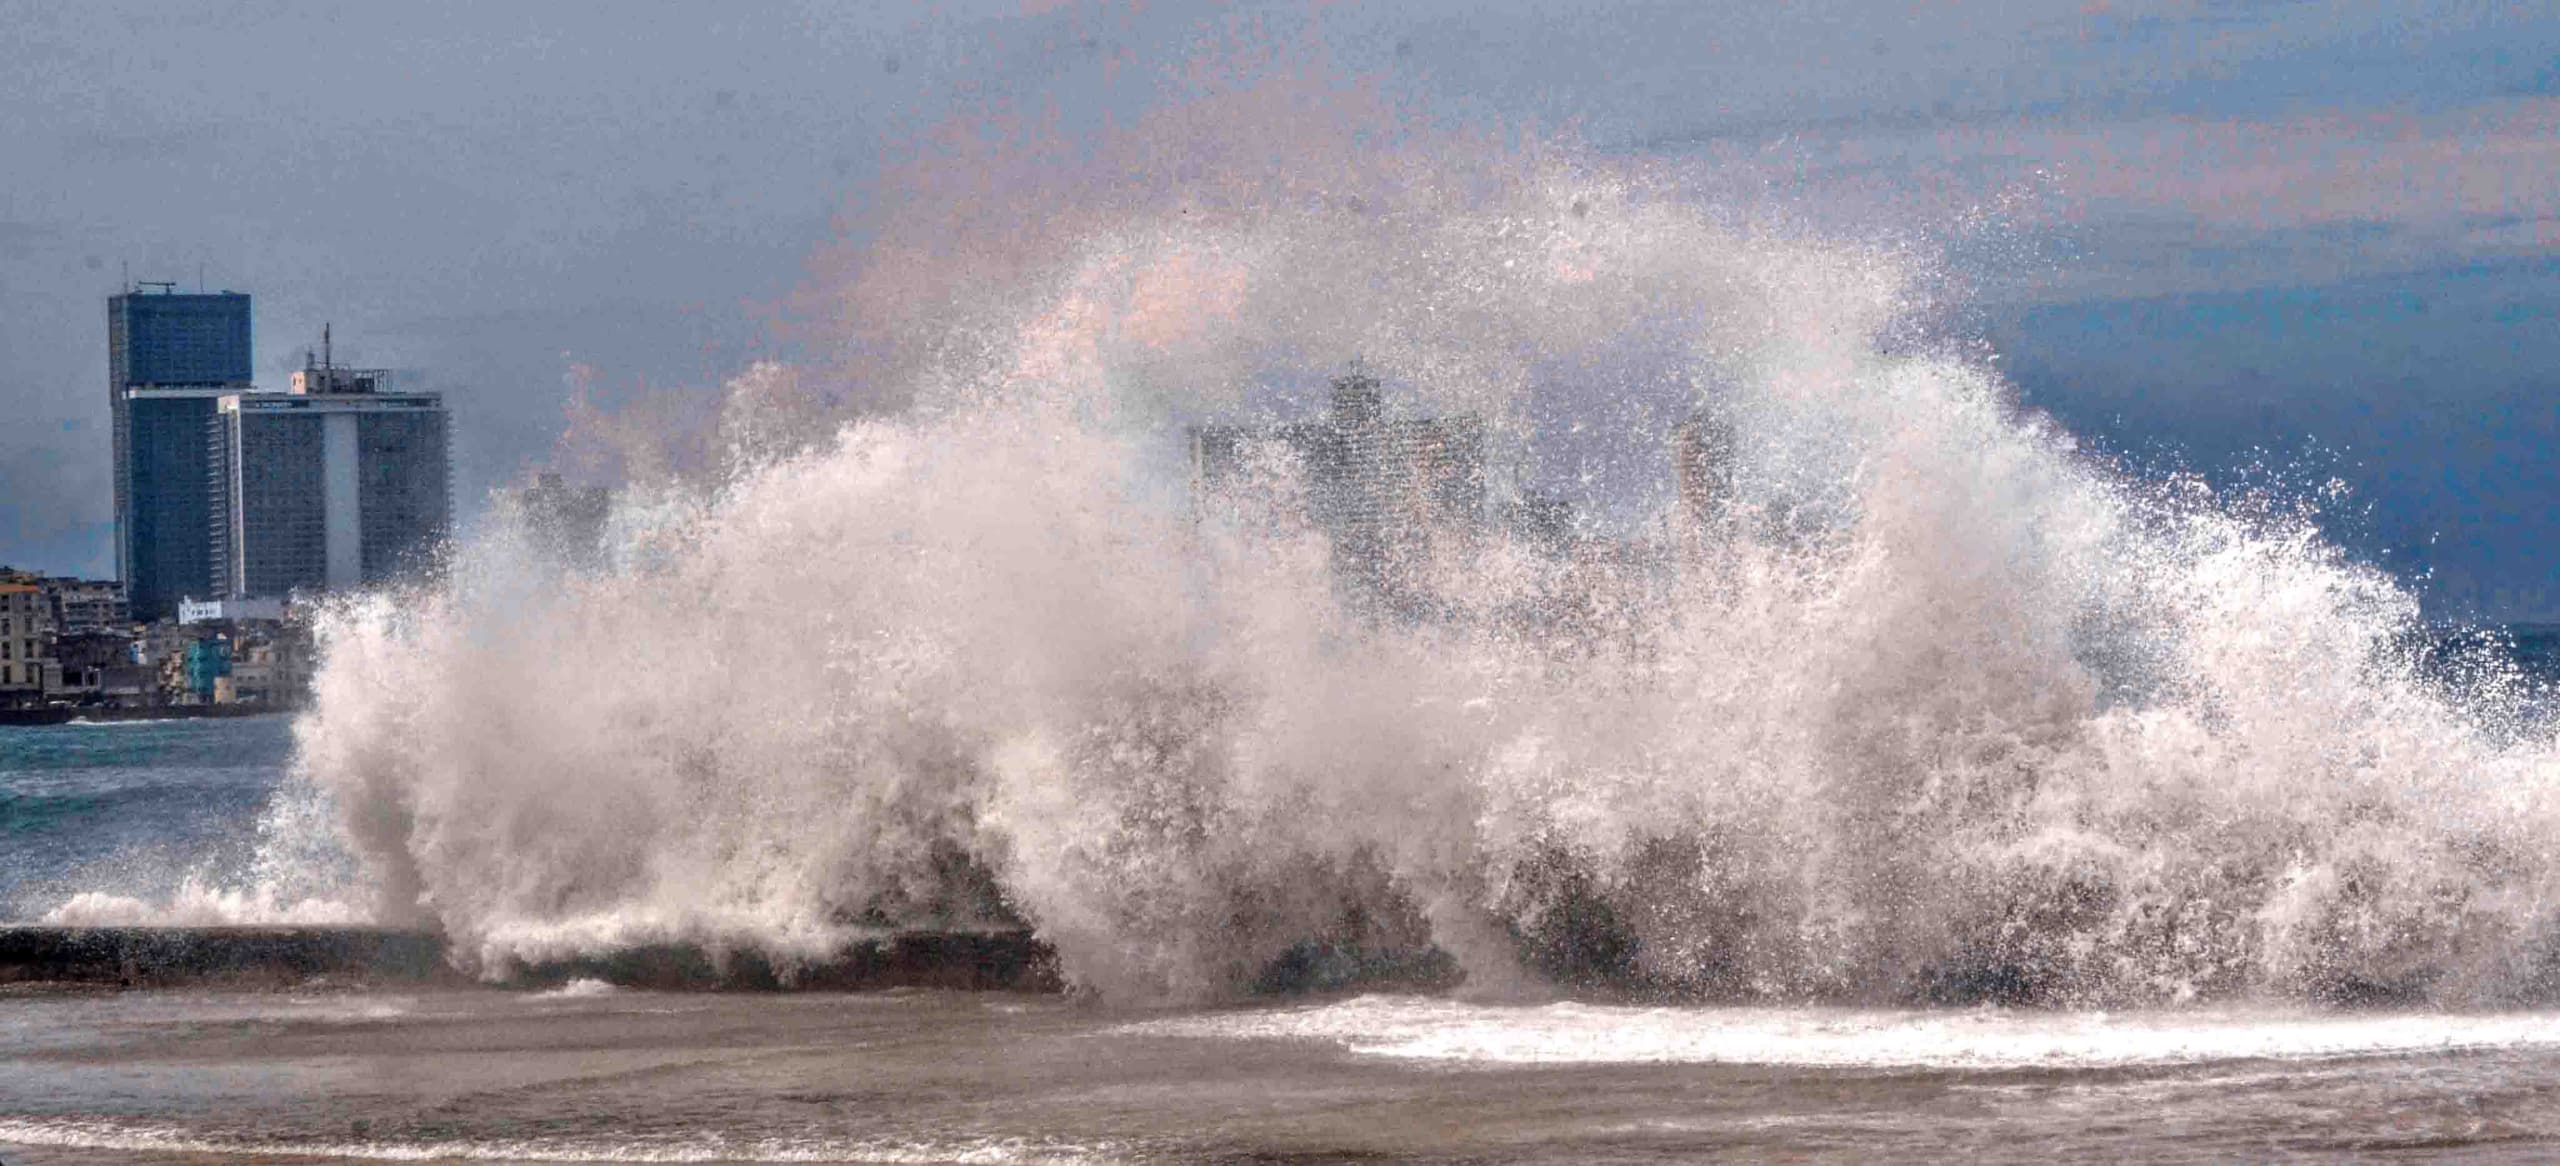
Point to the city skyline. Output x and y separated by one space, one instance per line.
223 491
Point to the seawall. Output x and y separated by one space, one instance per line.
65 714
285 957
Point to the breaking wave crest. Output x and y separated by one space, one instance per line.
1920 702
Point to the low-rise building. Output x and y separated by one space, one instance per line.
229 651
83 662
79 605
159 660
25 625
200 667
128 685
264 670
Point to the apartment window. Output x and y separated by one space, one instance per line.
6 676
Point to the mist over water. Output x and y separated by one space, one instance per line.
1931 706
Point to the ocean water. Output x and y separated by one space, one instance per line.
136 805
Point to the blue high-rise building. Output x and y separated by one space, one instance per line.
168 339
170 357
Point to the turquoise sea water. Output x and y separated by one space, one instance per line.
132 805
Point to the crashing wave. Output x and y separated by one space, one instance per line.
1930 705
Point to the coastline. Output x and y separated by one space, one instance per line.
67 714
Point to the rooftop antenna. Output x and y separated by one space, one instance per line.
125 266
199 277
325 362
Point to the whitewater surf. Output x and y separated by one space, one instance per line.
1926 704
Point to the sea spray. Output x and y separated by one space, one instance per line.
1926 705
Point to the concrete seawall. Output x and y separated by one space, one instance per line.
283 957
65 714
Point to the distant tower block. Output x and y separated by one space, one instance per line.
1702 459
341 482
1377 485
169 357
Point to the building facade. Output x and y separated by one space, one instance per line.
339 483
79 605
24 641
82 662
169 358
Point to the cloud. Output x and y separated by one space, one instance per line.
2497 160
2159 205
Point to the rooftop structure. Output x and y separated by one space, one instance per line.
234 610
320 375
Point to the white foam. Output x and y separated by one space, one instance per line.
1928 690
582 988
89 1134
1585 1034
197 904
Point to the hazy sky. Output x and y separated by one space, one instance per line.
2326 231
